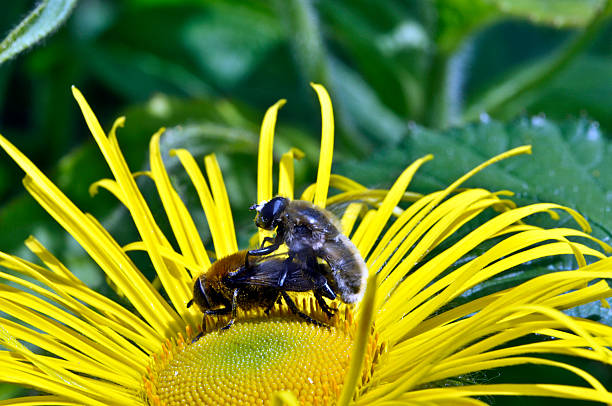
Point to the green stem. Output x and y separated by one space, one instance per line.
501 96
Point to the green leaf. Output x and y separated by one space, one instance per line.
584 87
230 40
523 84
141 73
560 13
459 18
569 164
364 106
48 16
356 34
9 391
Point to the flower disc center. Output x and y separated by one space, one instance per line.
251 361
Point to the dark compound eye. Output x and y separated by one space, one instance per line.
271 210
198 291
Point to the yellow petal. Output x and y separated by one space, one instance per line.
350 217
39 401
265 158
364 325
548 390
284 398
224 212
327 145
99 245
222 248
78 387
286 172
390 202
180 220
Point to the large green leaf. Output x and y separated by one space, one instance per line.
48 16
556 12
584 87
569 164
522 86
459 18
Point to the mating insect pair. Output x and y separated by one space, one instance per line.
247 280
229 284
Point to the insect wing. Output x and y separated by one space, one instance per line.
268 272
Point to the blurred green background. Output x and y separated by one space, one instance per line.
464 79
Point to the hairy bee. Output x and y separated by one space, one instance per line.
311 232
230 284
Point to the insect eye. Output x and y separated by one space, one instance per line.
268 213
200 291
273 208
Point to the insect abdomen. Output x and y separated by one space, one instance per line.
348 268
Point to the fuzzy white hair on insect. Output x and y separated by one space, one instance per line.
260 205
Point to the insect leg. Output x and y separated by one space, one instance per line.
285 271
295 310
196 338
261 248
262 251
326 291
265 250
319 280
324 306
271 305
234 306
218 312
276 243
265 240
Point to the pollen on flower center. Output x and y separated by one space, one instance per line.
256 358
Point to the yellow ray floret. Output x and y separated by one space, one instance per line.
407 342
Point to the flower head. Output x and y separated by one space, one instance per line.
404 342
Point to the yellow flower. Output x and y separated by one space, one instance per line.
404 343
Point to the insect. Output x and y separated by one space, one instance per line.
311 232
230 284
